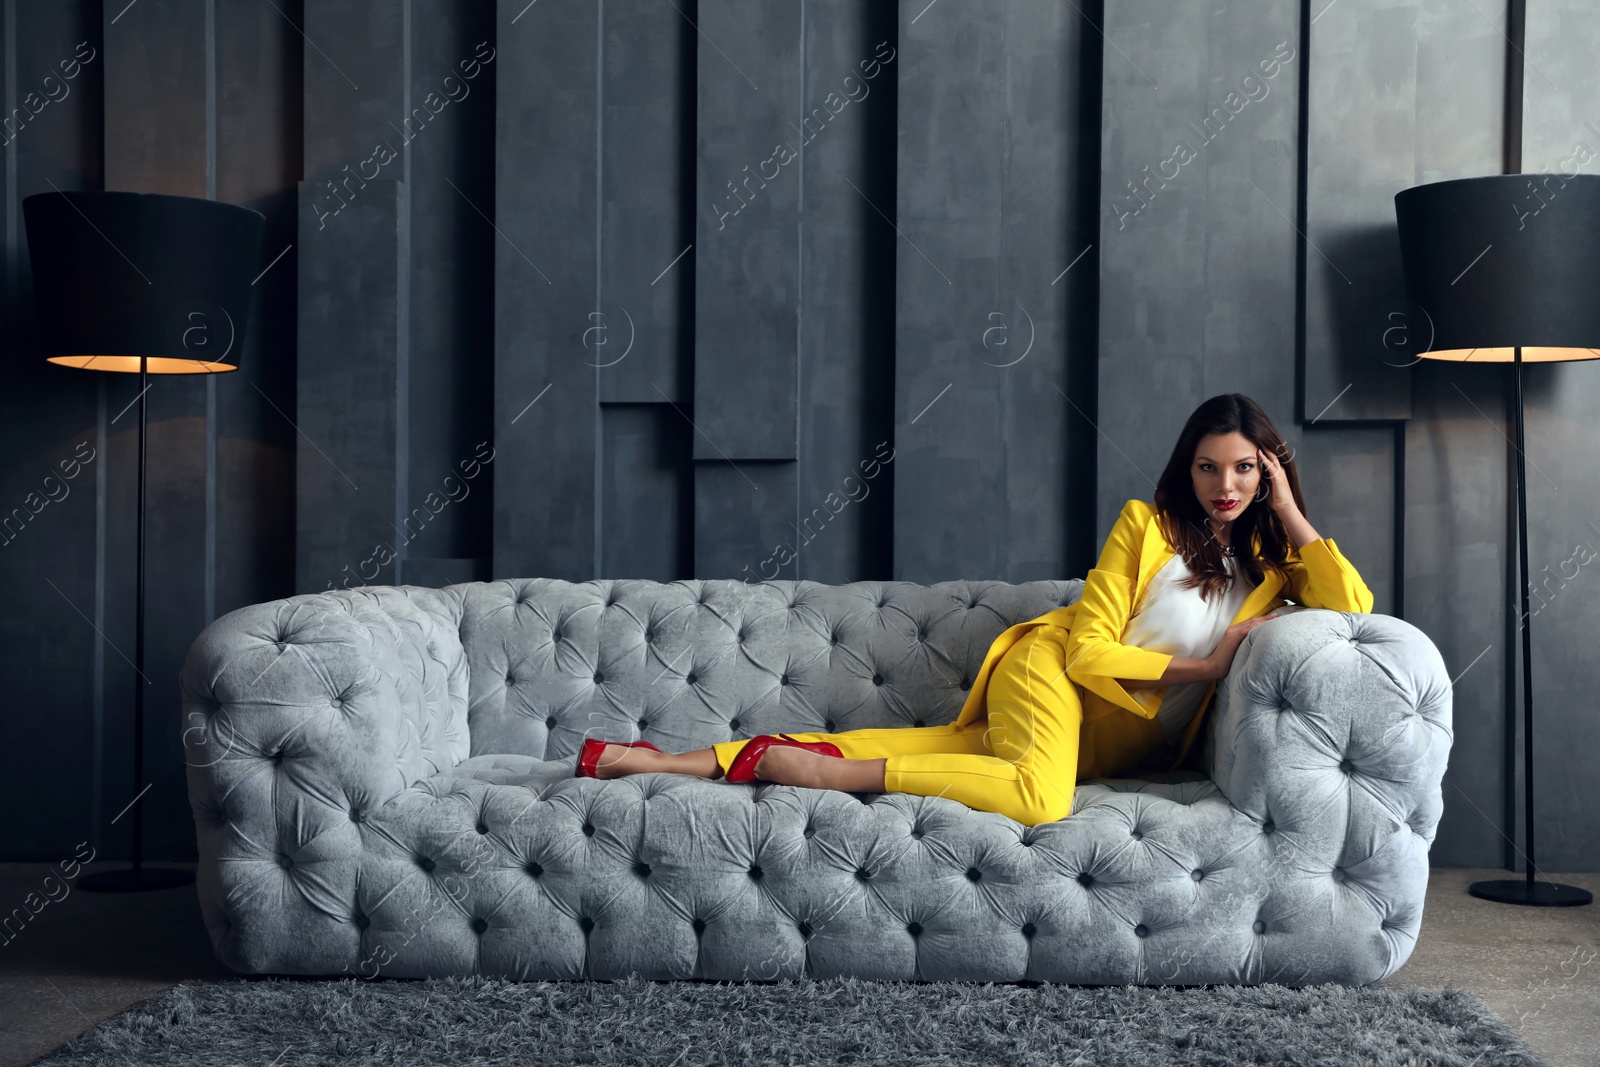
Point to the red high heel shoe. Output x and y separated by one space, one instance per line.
590 754
743 767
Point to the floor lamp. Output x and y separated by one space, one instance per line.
150 284
1505 269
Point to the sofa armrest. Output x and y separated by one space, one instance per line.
302 715
1332 729
346 697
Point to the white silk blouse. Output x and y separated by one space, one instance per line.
1175 621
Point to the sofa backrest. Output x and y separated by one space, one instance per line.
685 664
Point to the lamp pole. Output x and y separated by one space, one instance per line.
137 878
1509 890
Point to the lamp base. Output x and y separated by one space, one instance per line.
1542 894
136 881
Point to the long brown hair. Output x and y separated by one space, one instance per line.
1183 518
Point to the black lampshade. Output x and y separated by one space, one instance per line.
120 275
1504 260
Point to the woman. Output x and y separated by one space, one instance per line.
1118 680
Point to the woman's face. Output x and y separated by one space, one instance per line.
1226 468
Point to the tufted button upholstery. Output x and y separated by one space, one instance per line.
399 770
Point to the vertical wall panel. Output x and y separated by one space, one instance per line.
60 673
1361 134
156 134
743 520
1459 551
350 300
1560 135
640 331
751 120
649 495
547 420
1198 245
1398 94
448 149
643 341
258 109
987 204
351 463
355 91
845 508
751 124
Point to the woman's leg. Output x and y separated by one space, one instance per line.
1021 762
1034 714
864 752
877 743
868 746
617 760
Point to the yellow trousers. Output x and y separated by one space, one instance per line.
1043 732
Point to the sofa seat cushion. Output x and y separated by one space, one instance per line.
505 768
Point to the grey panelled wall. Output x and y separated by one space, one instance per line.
831 290
994 309
54 562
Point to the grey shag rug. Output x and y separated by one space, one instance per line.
473 1020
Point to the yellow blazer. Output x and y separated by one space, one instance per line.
1093 625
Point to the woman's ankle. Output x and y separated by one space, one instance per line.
615 760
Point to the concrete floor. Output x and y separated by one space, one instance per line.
89 956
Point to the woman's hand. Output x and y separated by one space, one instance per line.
1221 660
1281 497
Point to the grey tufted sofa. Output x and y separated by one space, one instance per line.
381 782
